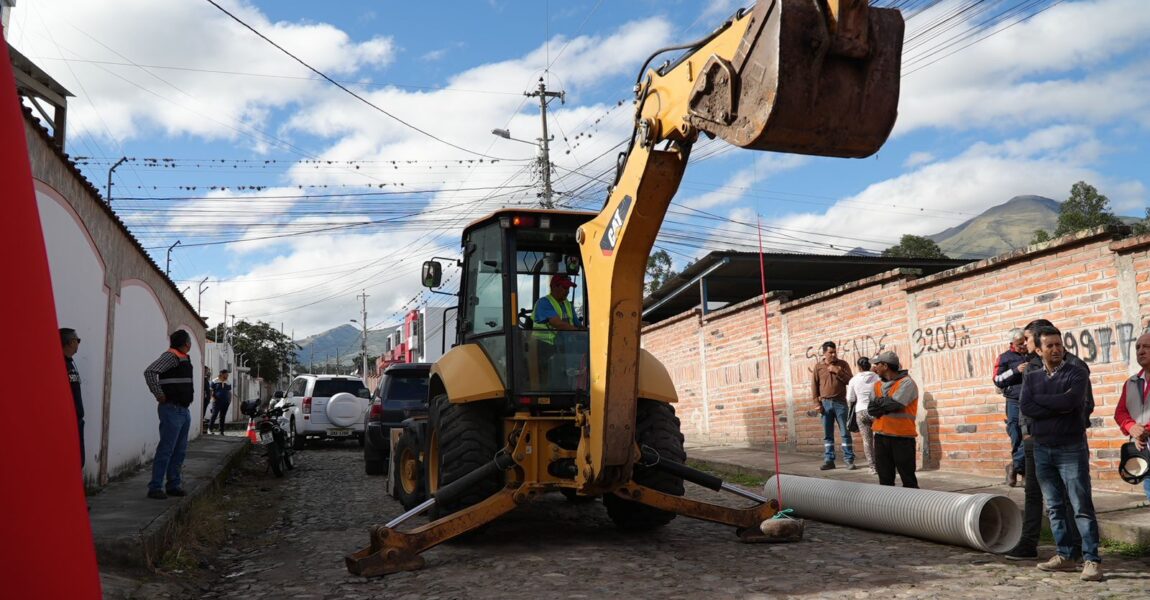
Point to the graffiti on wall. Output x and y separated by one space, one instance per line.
939 339
1098 345
865 345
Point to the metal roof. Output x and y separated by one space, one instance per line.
729 277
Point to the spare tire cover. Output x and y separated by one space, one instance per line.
344 409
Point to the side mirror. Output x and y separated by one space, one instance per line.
278 395
571 263
432 274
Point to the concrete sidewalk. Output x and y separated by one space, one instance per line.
1122 517
130 529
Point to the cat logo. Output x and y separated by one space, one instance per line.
607 244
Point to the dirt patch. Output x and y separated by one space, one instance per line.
246 506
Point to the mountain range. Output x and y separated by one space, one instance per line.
999 229
343 341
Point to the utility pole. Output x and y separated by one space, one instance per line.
224 324
363 297
545 156
168 265
122 160
200 297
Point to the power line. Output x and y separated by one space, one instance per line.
343 87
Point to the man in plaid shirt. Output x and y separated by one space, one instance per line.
171 380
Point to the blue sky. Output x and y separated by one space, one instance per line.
327 197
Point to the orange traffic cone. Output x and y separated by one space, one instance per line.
253 437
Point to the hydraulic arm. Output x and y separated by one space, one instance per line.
804 76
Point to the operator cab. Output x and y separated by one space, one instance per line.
509 260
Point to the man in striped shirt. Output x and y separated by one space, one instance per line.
170 379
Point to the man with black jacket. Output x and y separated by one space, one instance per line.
1027 547
1054 399
1008 370
171 380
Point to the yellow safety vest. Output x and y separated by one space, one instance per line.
899 423
565 310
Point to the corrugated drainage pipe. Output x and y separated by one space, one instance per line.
986 522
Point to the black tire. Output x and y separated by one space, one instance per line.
374 467
362 440
657 427
468 438
297 441
276 460
408 482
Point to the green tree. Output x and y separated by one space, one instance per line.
658 270
915 246
1143 226
266 351
1084 209
1040 235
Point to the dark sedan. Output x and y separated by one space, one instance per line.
402 394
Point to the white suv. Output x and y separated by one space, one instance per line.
326 406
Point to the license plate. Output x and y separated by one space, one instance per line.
339 432
266 437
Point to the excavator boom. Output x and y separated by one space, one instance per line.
804 76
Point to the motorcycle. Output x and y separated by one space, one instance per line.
273 436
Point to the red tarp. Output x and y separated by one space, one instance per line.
46 546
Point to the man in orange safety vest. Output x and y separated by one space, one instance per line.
895 409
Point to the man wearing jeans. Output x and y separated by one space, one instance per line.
170 379
829 391
1054 398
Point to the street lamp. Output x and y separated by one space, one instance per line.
544 161
506 134
364 349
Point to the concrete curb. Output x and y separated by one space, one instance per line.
133 531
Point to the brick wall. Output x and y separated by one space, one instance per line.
947 329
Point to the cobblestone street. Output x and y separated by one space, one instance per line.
553 549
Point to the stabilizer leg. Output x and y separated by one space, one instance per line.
392 551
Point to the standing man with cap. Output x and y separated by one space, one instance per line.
71 343
829 391
1133 411
553 312
221 400
171 379
895 410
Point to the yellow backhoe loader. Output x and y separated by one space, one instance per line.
518 408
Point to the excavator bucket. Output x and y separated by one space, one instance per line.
806 79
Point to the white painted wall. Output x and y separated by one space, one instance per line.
141 335
81 303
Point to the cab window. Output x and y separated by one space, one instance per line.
484 288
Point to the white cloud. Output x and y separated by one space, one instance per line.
918 158
765 166
947 192
1038 71
123 102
